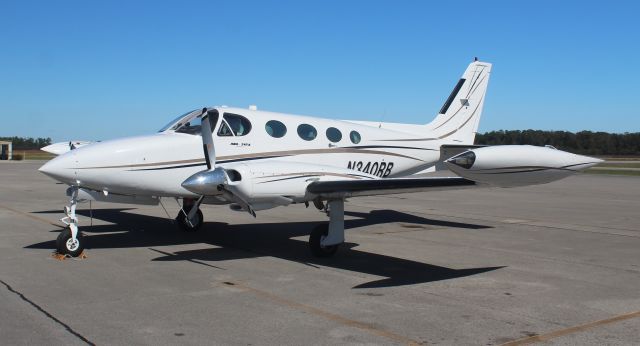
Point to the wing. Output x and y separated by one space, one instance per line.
353 188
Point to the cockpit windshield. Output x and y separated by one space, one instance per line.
191 125
175 123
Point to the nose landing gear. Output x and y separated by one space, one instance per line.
70 241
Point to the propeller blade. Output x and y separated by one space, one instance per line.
206 129
240 199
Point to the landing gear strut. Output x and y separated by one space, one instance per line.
325 239
190 217
70 241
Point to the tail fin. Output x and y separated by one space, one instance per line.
459 117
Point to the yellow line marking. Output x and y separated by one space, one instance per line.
327 315
33 217
574 329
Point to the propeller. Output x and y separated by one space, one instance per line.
214 180
206 130
209 181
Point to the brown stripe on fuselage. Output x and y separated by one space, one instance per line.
434 139
149 164
470 117
265 155
451 117
317 173
406 140
478 85
310 174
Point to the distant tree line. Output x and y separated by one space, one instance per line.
24 143
583 142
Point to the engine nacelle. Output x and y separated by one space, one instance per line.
517 165
267 180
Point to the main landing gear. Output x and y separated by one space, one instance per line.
326 238
70 241
190 217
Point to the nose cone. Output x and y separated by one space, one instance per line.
61 168
206 182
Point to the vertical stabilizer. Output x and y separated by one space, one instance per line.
458 119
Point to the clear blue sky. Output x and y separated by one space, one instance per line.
103 69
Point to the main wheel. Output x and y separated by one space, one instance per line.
315 239
195 225
67 246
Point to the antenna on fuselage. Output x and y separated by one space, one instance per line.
382 117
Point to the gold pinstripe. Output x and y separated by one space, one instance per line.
264 155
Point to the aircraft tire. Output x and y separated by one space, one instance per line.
65 246
314 242
181 219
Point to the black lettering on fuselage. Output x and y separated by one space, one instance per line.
380 169
388 171
374 168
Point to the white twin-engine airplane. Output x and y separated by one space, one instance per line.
255 160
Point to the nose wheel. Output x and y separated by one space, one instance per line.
66 244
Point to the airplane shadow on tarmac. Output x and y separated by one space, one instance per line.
267 239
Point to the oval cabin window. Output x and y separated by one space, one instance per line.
275 128
334 135
307 132
355 137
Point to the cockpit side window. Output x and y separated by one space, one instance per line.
224 130
240 126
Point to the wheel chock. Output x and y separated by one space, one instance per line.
62 257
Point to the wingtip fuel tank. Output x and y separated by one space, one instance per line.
517 165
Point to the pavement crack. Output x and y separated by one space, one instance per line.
46 313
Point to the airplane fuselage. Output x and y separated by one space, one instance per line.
157 164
